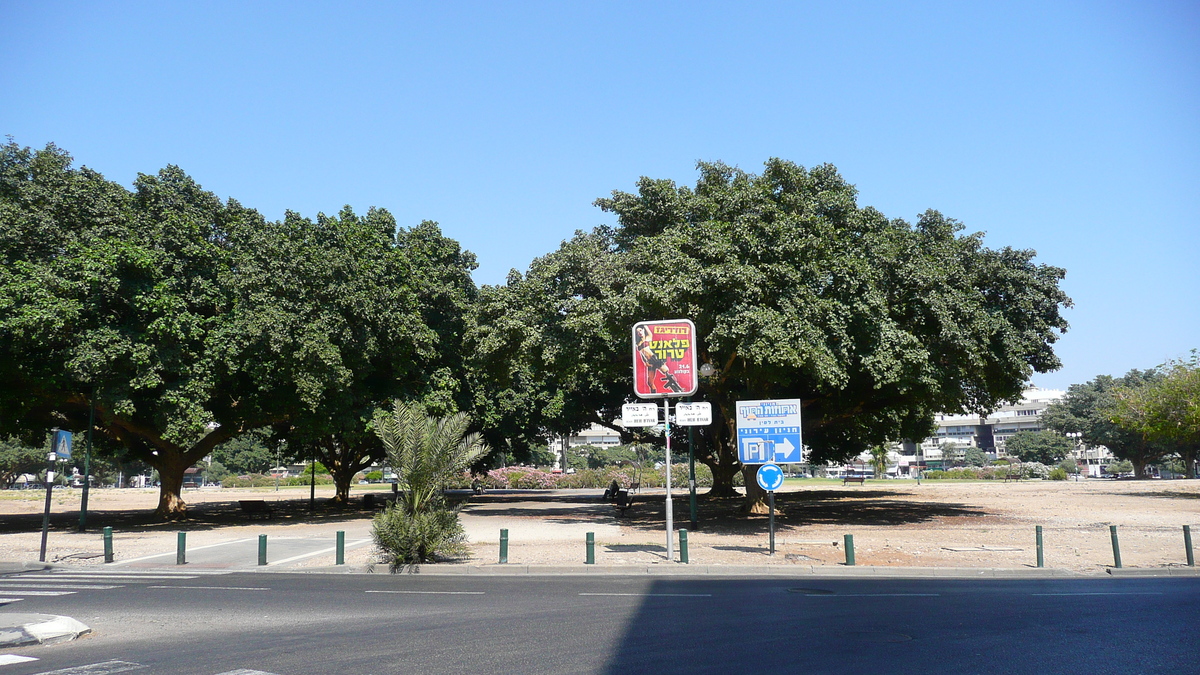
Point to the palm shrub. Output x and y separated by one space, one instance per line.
425 453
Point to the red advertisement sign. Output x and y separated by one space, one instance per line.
664 358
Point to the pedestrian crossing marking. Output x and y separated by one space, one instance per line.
66 587
40 593
9 659
103 668
245 671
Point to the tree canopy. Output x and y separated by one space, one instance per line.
796 291
1047 447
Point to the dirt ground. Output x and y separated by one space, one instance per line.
894 523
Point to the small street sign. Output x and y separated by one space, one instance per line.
62 444
639 415
769 477
769 431
693 414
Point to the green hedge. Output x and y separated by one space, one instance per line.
259 480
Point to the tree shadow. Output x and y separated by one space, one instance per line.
800 509
1168 494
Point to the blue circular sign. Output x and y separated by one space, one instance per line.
769 477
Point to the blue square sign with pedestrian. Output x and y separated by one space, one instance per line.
769 432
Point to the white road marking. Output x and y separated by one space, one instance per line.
214 588
9 659
5 601
245 671
653 595
875 595
1064 594
432 592
65 587
39 593
189 550
323 551
104 668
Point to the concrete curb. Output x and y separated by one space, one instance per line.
680 570
1173 571
45 629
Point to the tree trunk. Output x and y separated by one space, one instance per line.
170 467
756 497
342 477
1139 466
722 487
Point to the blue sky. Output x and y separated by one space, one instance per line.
1070 128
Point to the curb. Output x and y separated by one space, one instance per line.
45 629
680 570
1173 571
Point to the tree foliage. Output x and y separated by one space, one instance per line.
1165 411
1046 447
17 457
796 291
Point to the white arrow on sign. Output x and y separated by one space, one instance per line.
785 448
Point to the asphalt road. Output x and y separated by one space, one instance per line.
294 624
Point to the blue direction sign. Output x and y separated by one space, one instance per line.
769 431
770 477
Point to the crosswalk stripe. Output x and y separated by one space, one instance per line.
67 587
5 601
39 593
245 671
103 668
9 659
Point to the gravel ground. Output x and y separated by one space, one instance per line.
894 523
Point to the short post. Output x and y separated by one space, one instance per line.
1041 556
340 557
503 547
1187 544
108 552
683 553
1112 530
849 538
181 548
262 549
591 548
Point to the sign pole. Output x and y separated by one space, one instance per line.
87 465
771 518
691 474
46 514
670 506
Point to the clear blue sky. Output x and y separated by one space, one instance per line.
1069 128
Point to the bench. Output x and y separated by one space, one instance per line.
1012 476
624 501
861 480
255 507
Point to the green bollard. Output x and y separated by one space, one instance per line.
591 548
108 552
181 549
1041 556
849 538
1187 544
1112 530
503 547
340 558
262 549
683 557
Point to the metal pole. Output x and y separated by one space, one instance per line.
849 539
181 548
691 474
262 549
771 518
1041 557
49 489
312 489
87 464
670 505
1112 530
683 552
503 546
1187 544
591 549
108 550
341 548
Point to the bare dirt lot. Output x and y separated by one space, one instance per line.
894 523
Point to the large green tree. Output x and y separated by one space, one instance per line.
1047 447
796 291
188 320
1089 409
1166 411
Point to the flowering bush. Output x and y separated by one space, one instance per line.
529 478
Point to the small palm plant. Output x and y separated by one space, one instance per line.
425 453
